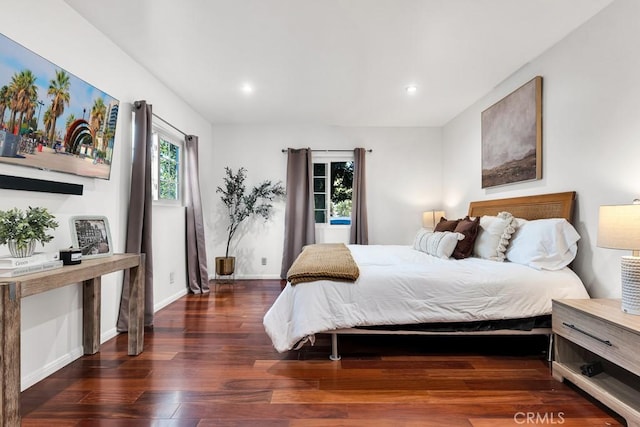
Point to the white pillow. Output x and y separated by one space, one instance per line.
494 235
544 244
437 243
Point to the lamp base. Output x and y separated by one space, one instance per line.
631 285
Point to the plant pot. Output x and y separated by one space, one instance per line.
225 266
21 251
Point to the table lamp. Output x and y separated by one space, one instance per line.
619 228
431 218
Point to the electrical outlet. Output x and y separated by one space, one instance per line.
172 277
264 260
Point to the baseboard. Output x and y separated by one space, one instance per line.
106 336
165 302
40 374
252 277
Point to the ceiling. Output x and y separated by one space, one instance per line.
334 62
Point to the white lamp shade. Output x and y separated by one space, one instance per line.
431 218
619 227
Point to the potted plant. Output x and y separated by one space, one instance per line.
241 205
21 230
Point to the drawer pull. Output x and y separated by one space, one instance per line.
575 328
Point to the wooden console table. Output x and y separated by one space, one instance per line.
89 272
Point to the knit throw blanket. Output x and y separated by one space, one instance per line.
324 261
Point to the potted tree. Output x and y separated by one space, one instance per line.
241 205
20 230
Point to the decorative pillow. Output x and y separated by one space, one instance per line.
437 243
544 244
469 228
494 235
446 225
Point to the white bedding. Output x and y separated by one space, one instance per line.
400 285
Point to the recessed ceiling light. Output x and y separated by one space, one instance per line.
246 88
411 89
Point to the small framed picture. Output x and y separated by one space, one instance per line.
91 235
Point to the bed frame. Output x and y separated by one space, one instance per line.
556 205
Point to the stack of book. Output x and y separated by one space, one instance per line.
39 261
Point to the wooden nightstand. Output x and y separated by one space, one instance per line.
597 330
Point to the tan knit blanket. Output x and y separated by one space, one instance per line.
323 261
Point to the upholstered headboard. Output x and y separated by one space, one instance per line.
556 205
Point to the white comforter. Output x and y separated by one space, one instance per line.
400 285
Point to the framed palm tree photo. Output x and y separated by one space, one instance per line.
50 119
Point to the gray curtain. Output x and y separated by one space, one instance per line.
359 222
198 276
139 222
299 223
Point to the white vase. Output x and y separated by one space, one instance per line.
21 252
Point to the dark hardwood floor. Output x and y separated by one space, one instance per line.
208 362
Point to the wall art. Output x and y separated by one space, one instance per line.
512 137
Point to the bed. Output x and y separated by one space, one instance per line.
402 290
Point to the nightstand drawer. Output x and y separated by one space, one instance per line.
597 331
609 340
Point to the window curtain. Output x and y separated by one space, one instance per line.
139 221
299 228
359 222
197 273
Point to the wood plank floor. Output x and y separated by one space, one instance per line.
208 362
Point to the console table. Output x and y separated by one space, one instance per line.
89 273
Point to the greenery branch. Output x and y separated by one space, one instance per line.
23 227
241 205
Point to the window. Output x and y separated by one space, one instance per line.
166 169
332 189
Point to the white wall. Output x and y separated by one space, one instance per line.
591 134
51 323
403 178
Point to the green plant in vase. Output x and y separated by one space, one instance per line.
20 230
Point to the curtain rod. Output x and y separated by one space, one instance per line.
138 104
168 124
284 150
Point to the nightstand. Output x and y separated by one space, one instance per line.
595 333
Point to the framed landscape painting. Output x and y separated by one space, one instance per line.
50 119
512 137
